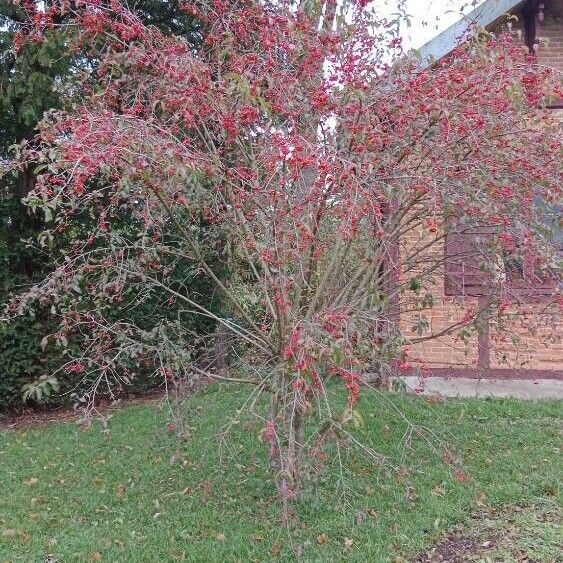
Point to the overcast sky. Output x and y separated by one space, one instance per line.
429 17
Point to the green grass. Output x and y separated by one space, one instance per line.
114 493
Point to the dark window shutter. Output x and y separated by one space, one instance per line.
467 268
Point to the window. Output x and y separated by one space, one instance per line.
468 270
471 268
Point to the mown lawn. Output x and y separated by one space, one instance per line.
131 493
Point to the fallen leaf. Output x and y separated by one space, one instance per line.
31 481
86 425
480 498
434 399
120 491
207 488
96 556
276 548
410 495
321 539
360 518
448 458
550 490
220 536
8 533
175 458
348 544
461 476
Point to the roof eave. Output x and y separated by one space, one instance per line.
484 15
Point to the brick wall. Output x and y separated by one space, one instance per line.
526 338
533 340
550 51
529 338
528 341
447 351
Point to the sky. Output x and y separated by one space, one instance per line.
429 17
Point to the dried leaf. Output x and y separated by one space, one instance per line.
96 556
86 425
461 476
434 399
322 539
31 481
550 490
360 518
410 495
480 498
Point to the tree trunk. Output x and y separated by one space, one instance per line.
219 357
295 449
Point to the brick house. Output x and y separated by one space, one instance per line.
533 349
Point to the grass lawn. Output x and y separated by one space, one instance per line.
131 493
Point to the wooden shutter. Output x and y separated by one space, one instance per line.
468 267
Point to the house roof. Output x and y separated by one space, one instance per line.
484 16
